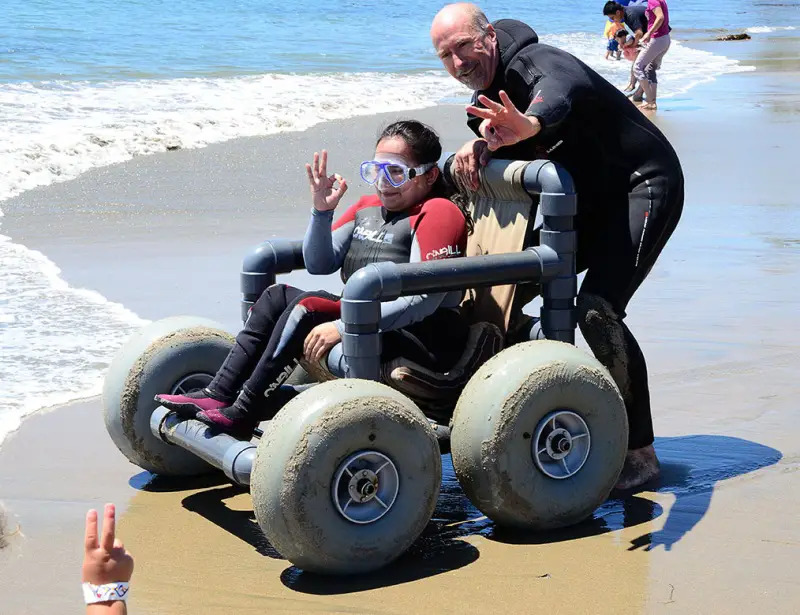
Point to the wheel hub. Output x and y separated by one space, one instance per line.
191 383
365 486
561 444
558 443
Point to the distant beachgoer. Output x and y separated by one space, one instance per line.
655 44
410 219
635 18
612 46
650 26
630 52
535 101
107 567
628 45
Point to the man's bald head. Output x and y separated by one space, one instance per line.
466 44
460 14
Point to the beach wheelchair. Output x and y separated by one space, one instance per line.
347 474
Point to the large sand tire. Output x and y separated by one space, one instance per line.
539 436
302 477
181 351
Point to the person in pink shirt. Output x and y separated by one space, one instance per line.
656 42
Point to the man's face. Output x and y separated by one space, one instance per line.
469 56
618 16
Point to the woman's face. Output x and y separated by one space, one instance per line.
414 191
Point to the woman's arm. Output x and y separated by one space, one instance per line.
321 251
323 248
659 20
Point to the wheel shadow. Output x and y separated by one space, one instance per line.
210 504
691 467
433 553
155 483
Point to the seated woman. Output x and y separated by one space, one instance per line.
407 220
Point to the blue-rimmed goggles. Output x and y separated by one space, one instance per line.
395 173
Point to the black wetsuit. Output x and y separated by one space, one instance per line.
426 329
629 184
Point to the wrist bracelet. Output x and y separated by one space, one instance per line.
105 593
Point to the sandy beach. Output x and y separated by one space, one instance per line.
718 533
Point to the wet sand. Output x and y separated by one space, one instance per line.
717 534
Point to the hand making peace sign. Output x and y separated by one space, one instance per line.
503 124
324 191
105 559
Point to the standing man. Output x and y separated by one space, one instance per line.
535 101
632 15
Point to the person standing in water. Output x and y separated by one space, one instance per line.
534 101
655 44
649 22
633 16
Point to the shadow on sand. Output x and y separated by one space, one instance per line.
691 468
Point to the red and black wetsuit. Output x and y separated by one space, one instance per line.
630 191
424 328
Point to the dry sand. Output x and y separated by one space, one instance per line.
717 534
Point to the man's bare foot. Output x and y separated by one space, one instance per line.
641 466
648 106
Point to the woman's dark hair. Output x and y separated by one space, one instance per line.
426 147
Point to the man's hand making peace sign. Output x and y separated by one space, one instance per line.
502 123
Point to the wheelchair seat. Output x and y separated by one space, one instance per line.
501 211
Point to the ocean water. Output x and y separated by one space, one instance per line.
87 83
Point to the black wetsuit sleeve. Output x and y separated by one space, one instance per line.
323 249
473 121
553 81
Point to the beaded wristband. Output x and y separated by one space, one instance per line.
105 593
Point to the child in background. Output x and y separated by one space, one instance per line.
610 32
627 43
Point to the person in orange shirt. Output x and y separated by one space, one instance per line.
612 47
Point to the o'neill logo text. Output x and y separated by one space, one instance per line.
363 233
285 373
445 252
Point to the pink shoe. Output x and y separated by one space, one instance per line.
230 420
190 404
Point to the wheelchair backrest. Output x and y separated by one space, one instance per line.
502 211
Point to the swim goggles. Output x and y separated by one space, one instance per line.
395 173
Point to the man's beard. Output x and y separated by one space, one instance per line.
474 79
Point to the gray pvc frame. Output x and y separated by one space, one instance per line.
234 457
551 263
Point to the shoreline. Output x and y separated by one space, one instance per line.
58 251
722 372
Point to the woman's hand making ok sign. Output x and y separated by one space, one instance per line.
324 190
